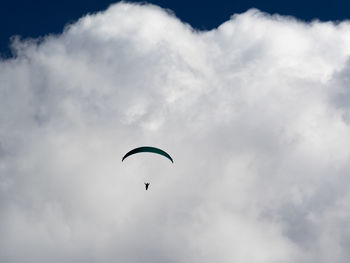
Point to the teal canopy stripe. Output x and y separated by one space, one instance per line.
150 150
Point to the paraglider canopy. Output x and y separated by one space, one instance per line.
150 150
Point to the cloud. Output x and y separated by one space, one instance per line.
255 114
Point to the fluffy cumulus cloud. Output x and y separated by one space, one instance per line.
255 113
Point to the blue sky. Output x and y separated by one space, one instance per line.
38 18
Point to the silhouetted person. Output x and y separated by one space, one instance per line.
146 185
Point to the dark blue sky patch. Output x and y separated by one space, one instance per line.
38 17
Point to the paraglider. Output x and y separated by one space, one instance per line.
149 149
146 186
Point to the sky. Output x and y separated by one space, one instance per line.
36 18
254 111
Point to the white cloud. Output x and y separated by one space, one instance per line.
255 114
